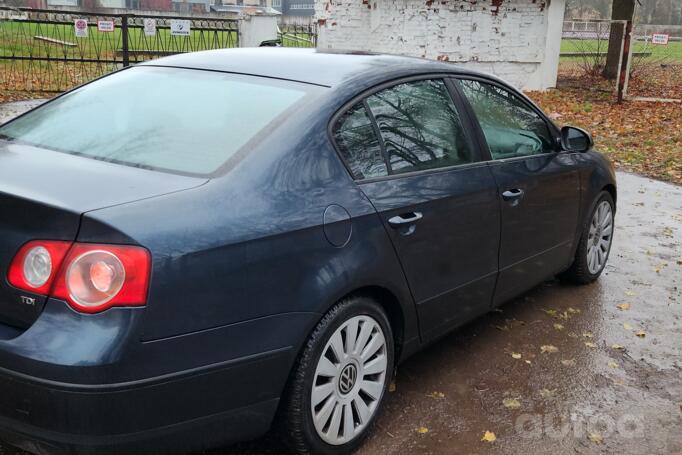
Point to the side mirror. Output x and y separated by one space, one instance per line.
575 139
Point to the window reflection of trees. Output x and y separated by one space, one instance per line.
359 144
419 126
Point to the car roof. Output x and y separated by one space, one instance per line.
314 66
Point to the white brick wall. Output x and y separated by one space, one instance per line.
508 38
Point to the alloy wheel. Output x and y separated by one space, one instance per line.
599 237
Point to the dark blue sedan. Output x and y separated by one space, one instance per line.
204 246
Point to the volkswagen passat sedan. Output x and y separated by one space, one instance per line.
194 245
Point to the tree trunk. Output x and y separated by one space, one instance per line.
622 10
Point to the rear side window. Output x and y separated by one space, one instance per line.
510 126
420 126
358 143
180 120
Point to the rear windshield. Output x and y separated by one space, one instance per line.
180 120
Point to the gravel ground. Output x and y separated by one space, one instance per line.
561 369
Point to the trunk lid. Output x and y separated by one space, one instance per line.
42 197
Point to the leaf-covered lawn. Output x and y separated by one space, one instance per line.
642 137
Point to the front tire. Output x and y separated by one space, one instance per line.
595 242
340 379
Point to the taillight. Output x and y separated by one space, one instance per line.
36 264
91 277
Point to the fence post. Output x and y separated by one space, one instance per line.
624 66
125 40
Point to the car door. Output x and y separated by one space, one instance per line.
539 188
408 147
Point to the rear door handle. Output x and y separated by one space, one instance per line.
512 194
405 218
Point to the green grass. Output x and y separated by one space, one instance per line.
670 52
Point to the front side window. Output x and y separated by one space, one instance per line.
510 126
178 120
420 127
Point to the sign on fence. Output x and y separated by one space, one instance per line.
659 38
105 26
180 27
81 28
149 27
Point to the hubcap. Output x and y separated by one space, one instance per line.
599 237
349 380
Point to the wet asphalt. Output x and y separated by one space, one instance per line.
562 369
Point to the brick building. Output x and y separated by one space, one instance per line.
518 40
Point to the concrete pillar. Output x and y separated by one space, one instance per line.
547 73
253 30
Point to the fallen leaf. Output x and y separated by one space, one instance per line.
613 364
573 310
550 312
489 436
640 334
630 293
528 362
588 335
627 326
559 326
422 430
623 306
590 344
568 362
548 349
437 395
391 387
596 438
547 393
503 328
511 403
618 347
516 355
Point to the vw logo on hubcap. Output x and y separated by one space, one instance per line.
347 379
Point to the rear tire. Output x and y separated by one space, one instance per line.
595 242
339 382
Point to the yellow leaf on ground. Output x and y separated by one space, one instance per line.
437 395
511 403
548 349
596 438
623 306
630 293
640 334
422 430
627 326
547 393
618 347
489 436
568 362
516 355
527 361
613 364
590 344
391 387
550 312
573 310
559 326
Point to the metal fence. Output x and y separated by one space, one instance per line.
302 33
51 51
653 68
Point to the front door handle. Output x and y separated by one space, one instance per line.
405 218
512 194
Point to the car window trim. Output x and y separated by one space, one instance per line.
553 129
362 97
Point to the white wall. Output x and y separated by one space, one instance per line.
505 37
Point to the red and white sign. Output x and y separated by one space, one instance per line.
105 26
659 38
81 27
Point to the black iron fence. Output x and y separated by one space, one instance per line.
298 34
48 50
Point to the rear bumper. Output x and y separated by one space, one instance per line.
175 415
